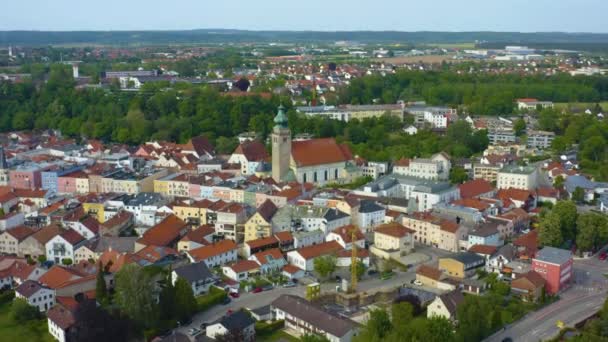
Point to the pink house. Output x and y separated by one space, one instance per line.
27 177
66 185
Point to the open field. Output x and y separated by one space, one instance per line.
415 59
583 105
33 331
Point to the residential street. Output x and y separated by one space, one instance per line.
256 300
583 299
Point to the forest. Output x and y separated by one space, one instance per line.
180 111
478 94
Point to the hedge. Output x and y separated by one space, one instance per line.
215 296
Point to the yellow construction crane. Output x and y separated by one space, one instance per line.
353 261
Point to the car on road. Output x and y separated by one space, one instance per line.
229 312
226 301
417 282
372 272
603 255
267 288
234 294
289 284
194 331
257 290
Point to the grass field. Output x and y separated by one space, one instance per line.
279 335
34 331
564 105
454 45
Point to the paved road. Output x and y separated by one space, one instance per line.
584 298
256 300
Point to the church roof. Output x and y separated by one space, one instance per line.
319 152
281 119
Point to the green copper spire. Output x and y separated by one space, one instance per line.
281 119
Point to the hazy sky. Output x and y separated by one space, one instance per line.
399 15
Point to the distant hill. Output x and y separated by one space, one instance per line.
227 36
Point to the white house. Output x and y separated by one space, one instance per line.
249 154
428 194
344 236
60 319
411 130
306 318
369 215
62 246
270 260
304 257
238 323
217 254
197 275
241 270
36 295
445 305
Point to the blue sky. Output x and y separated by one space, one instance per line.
324 15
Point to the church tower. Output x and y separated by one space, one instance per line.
281 146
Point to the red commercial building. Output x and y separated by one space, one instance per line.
555 266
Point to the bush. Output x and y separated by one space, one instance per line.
214 297
7 297
22 311
265 329
67 261
42 259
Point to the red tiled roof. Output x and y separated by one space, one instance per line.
244 266
291 269
528 241
514 194
394 229
47 233
72 236
321 249
252 150
217 248
267 210
20 232
198 235
275 253
402 162
483 249
165 232
547 192
61 316
429 272
258 243
284 236
475 188
449 226
347 253
472 203
57 276
317 152
345 233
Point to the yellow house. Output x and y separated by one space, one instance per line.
461 265
259 225
82 185
195 211
95 209
161 186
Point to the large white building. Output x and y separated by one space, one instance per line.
429 194
36 295
518 177
435 168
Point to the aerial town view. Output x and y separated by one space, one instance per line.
327 171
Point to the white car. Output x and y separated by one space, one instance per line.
417 282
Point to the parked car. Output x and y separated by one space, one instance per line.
267 288
417 282
204 325
257 290
372 272
226 301
194 331
234 294
229 312
603 255
289 284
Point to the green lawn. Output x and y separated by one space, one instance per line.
563 105
34 331
276 336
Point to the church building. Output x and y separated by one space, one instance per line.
318 161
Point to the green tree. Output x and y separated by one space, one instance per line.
360 269
558 182
135 295
22 311
401 313
377 327
458 175
567 213
519 126
184 300
325 265
313 338
101 291
578 195
550 233
592 231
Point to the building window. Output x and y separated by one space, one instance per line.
336 173
314 176
326 174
